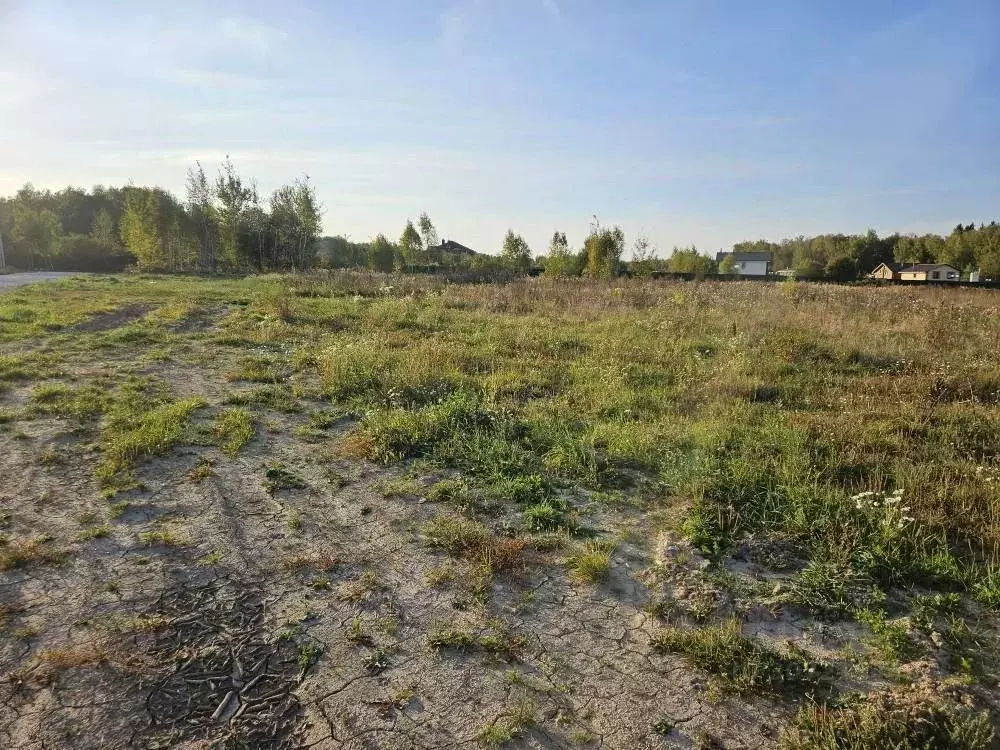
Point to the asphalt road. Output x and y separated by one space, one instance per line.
14 280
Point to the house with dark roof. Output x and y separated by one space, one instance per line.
744 264
930 272
888 271
450 246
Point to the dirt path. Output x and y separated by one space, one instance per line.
15 280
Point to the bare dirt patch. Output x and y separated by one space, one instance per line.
114 319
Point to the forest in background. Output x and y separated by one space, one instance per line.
225 224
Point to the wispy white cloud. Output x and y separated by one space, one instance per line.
552 7
467 18
251 33
18 88
456 22
213 79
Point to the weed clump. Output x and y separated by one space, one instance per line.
741 664
163 537
25 553
451 637
277 478
258 370
832 589
473 541
510 726
917 716
590 563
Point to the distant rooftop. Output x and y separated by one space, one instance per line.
743 257
450 246
892 265
928 267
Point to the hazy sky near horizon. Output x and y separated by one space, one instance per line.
691 121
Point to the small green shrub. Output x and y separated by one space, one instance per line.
163 537
510 726
455 491
259 370
455 535
94 532
986 587
24 553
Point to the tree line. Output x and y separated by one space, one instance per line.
226 224
831 257
842 257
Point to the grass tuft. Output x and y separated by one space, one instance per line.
741 664
234 428
591 562
911 717
26 553
135 427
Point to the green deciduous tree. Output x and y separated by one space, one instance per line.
428 233
560 261
604 247
295 224
308 213
204 217
959 250
844 268
381 254
140 231
410 247
644 260
515 252
37 234
689 260
233 197
103 230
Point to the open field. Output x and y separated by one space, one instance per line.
358 511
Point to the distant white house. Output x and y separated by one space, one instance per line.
745 264
930 272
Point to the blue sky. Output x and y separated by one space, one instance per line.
690 121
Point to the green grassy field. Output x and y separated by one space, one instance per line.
759 465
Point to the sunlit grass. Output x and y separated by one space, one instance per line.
763 408
234 428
